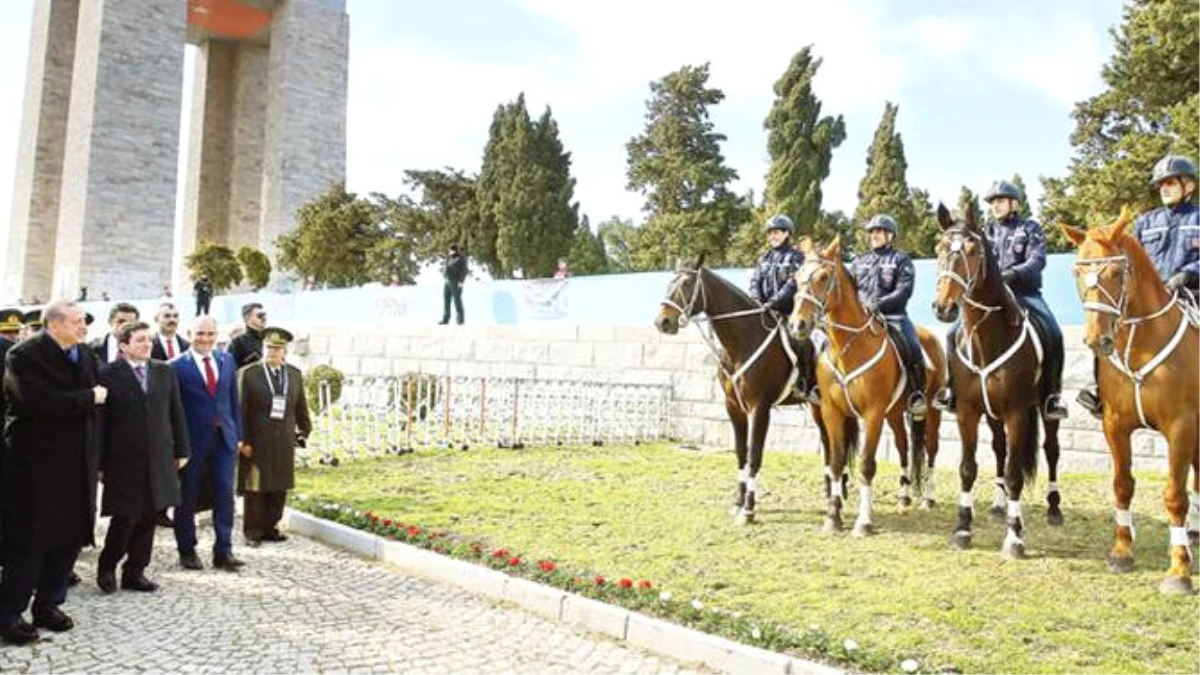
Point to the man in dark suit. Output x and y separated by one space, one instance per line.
48 492
208 386
105 348
143 443
11 325
247 348
274 420
168 344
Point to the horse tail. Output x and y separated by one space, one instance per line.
1029 446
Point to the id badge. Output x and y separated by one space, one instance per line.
278 406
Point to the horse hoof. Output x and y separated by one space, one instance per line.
1174 585
928 504
744 518
905 501
1120 565
862 530
998 512
1054 517
1013 551
961 540
832 525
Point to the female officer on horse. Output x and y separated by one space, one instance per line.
1171 236
884 277
1020 248
773 285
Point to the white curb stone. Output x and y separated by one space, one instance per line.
545 601
596 616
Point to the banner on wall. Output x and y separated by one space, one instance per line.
546 299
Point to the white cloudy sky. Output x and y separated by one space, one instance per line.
985 89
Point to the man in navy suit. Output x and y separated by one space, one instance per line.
208 385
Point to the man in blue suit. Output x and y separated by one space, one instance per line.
208 385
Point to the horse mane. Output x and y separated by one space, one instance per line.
739 294
1141 267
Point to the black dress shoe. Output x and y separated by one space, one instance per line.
164 520
274 535
107 581
190 561
229 563
19 633
139 583
52 619
74 579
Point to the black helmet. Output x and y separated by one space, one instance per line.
780 222
882 222
1002 188
1172 166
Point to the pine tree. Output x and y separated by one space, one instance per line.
587 251
676 163
1149 108
925 232
1024 209
614 235
884 189
800 143
968 200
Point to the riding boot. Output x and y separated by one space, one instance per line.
944 399
805 388
1089 396
916 400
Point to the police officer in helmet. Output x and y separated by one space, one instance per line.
773 285
884 278
1171 236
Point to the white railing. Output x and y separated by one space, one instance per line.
394 415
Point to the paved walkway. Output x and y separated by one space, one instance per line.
302 607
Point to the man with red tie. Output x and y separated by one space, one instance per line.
208 386
168 344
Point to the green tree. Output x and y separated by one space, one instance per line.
800 143
217 262
968 200
926 232
749 240
256 266
1024 209
884 189
676 163
587 251
446 213
615 234
1149 107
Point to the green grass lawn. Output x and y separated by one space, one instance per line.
659 513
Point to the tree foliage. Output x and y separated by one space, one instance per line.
677 165
1149 107
444 213
968 201
256 266
926 230
615 235
884 188
217 262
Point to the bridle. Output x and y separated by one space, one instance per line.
690 310
1091 269
947 265
831 288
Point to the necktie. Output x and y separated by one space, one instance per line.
170 347
210 378
140 371
73 354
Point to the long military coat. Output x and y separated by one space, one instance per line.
271 467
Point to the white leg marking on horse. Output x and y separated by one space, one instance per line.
751 485
1125 519
929 486
966 501
864 505
1052 488
743 474
1179 537
1011 539
836 488
1014 509
1001 496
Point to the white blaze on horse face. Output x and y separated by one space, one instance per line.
956 246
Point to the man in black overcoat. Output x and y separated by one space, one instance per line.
48 492
143 442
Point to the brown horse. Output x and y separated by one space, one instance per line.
994 368
1148 353
758 364
861 377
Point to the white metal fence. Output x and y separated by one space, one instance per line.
394 415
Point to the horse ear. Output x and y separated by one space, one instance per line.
834 250
1075 234
945 220
1123 220
969 219
806 246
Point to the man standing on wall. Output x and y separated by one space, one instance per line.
204 293
455 273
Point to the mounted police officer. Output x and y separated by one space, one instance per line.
884 278
773 285
1020 247
1171 236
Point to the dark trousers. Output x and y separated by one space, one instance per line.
452 291
910 349
263 512
132 536
31 569
202 305
1052 342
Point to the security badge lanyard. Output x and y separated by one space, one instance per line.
278 401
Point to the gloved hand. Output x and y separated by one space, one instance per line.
775 306
1009 276
1177 281
870 307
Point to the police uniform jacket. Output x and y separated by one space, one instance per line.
1171 237
1020 245
774 279
884 278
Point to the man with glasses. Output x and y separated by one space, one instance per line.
247 348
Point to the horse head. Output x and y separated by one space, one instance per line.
685 296
816 285
962 262
1103 278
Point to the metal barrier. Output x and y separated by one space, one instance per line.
394 415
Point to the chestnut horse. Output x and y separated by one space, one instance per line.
862 377
757 369
1147 348
995 369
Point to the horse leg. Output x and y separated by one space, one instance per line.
1021 426
1120 557
1194 505
968 470
1054 515
1000 450
895 422
933 422
863 525
760 420
1182 441
815 411
737 418
838 439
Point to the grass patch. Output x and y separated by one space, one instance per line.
658 513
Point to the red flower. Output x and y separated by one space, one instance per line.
644 584
413 530
547 565
625 583
599 581
387 522
514 561
500 553
372 517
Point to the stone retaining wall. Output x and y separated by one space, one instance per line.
642 356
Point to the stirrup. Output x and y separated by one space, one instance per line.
1091 402
917 407
1054 409
944 400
